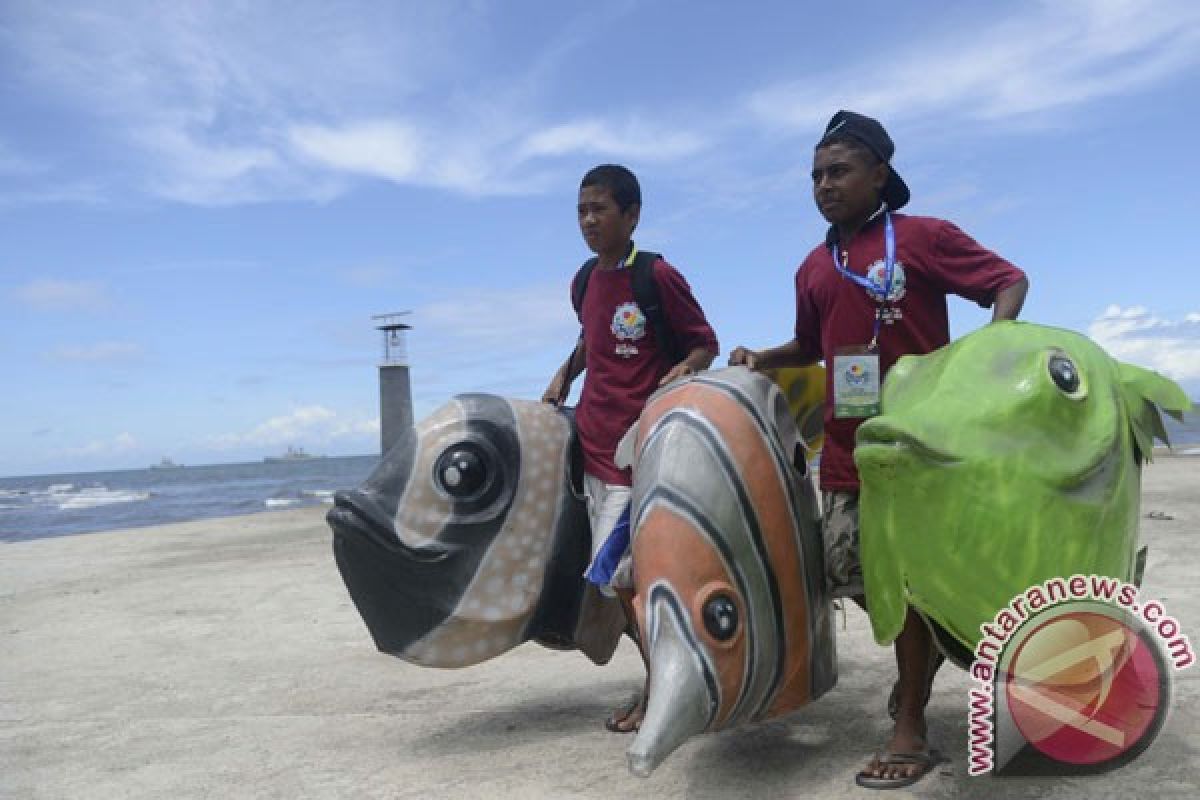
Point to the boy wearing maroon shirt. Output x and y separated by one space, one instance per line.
625 364
874 291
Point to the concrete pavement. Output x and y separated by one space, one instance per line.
224 659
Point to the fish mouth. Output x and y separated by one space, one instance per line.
684 696
357 514
401 592
880 440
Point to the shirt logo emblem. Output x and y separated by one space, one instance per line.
877 274
629 322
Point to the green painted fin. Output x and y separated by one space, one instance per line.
1139 565
1146 392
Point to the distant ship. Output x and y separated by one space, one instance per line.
166 463
292 454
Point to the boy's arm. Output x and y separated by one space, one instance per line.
560 385
1008 302
698 360
687 321
791 354
805 345
964 267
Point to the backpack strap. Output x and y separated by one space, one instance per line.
646 295
579 285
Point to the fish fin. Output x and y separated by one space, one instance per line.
886 609
1139 565
1145 393
882 563
626 448
885 590
600 625
804 390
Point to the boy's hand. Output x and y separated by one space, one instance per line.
743 356
680 370
556 392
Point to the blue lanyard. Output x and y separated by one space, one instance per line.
889 267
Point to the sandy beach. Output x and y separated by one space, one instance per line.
223 658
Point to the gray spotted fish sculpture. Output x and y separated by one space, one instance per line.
469 539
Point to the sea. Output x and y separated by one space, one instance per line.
1185 436
37 507
61 505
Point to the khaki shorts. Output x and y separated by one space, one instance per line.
839 529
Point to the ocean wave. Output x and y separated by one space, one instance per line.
99 501
280 502
1191 451
99 496
324 495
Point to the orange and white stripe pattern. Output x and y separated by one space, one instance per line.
724 523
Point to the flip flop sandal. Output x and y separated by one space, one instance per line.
927 760
616 720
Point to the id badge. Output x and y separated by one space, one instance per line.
855 383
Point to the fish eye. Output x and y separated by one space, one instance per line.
1064 373
721 617
462 471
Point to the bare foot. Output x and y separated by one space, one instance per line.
627 718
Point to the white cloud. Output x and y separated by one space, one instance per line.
512 318
504 157
195 102
634 139
1063 54
217 105
307 424
503 341
383 148
57 295
209 172
213 65
1134 334
121 443
99 353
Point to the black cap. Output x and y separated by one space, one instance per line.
871 133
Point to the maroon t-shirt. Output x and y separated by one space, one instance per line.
933 259
624 364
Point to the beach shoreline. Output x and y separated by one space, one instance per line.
223 658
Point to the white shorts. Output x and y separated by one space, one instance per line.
605 504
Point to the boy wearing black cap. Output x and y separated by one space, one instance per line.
874 291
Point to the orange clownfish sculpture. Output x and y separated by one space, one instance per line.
728 565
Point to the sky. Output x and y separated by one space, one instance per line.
203 204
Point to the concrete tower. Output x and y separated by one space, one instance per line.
395 391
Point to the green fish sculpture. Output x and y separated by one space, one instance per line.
1007 458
